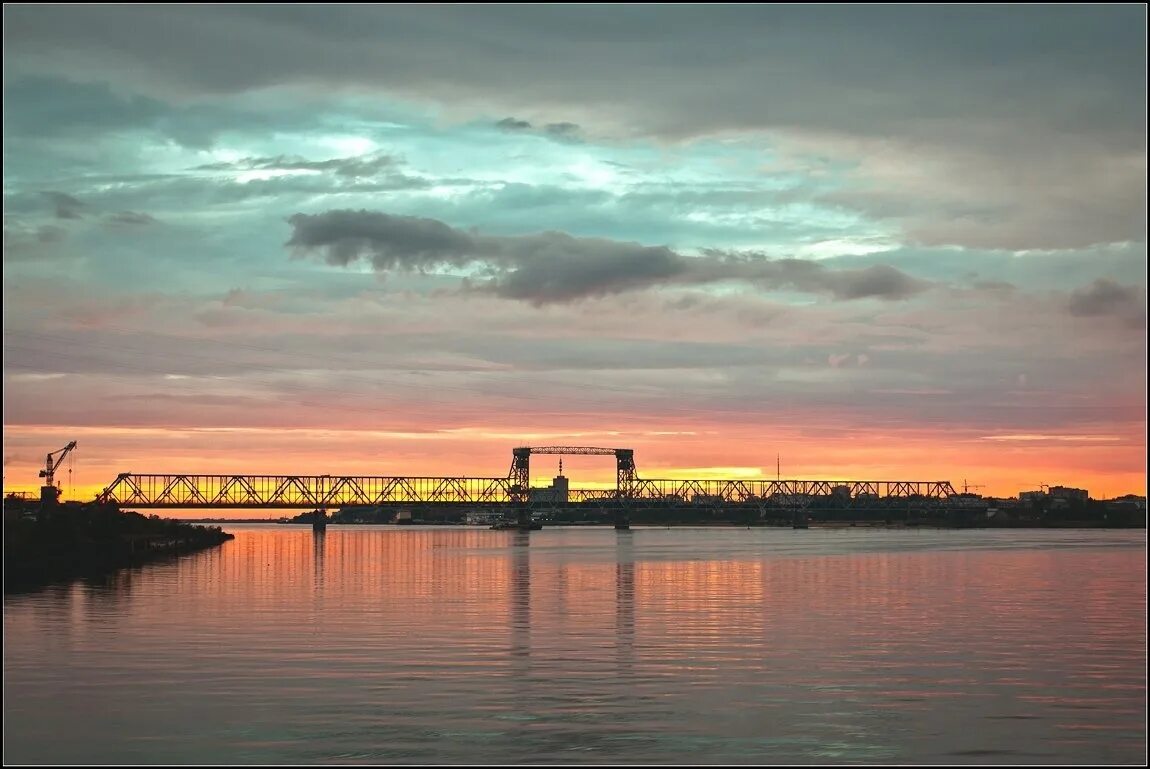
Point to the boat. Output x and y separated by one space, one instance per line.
506 525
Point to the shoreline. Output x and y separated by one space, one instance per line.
72 543
714 525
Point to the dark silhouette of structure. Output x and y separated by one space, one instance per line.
788 499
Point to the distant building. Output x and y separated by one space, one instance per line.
1130 499
1130 506
555 494
1069 494
1031 497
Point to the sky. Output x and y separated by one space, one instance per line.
860 243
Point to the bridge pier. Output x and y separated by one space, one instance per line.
319 520
523 520
622 520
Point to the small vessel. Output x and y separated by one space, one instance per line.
506 525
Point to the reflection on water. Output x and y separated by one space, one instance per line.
625 601
409 645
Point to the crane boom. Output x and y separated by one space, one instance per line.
49 471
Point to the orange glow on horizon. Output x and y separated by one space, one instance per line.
997 467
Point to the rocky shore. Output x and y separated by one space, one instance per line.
83 540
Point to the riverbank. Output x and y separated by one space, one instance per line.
89 540
812 524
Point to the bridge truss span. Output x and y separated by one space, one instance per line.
331 491
788 492
297 491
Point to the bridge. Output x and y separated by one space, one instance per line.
330 491
513 491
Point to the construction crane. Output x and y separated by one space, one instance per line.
48 492
966 487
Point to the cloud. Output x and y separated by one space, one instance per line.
131 218
23 241
837 360
41 109
569 132
558 267
66 206
876 280
511 124
363 165
1020 192
1017 127
1105 297
406 242
562 130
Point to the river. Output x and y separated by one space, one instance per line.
386 644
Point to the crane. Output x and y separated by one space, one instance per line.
967 486
48 492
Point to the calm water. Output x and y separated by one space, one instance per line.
408 645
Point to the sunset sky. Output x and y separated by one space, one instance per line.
880 242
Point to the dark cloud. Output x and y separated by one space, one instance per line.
404 242
1106 297
565 132
557 267
131 218
50 233
876 280
801 66
48 107
879 280
511 124
16 238
66 206
45 108
364 165
25 241
1014 127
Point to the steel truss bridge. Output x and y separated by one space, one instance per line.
335 491
330 491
